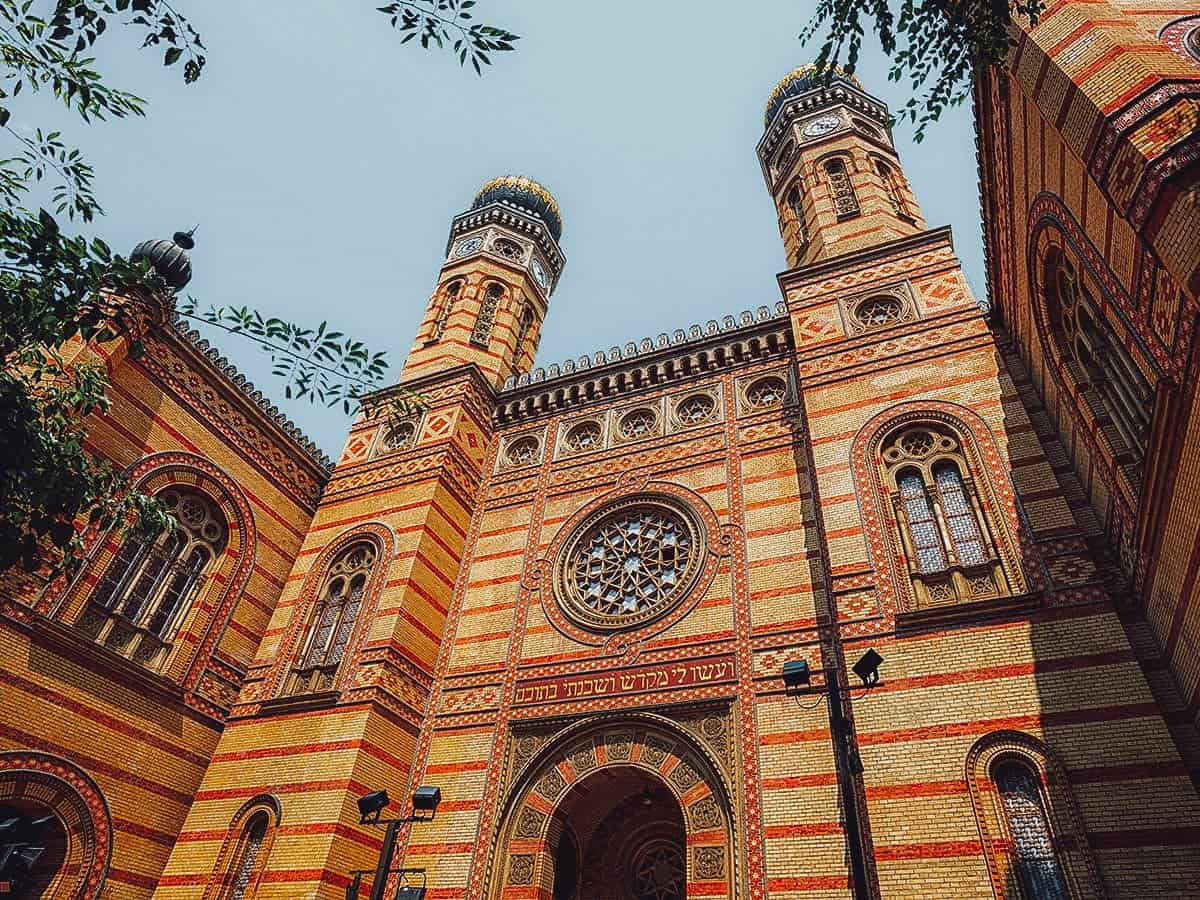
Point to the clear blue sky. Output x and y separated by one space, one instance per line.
323 163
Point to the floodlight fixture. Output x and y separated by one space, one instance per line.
425 799
867 667
795 673
371 805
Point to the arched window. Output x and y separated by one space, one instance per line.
1036 864
943 530
1096 359
246 855
451 295
844 199
487 314
522 334
888 177
1032 835
332 620
145 592
795 204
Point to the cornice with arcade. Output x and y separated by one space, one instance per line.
652 365
174 361
914 342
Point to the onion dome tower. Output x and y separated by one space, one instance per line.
169 258
830 164
502 264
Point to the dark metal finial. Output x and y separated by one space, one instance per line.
184 238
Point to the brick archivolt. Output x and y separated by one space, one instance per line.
548 764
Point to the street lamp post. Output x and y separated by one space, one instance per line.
796 678
425 801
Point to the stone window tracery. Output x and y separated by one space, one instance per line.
332 621
795 202
892 188
584 436
695 409
1097 360
487 314
247 855
879 312
630 562
508 249
944 532
844 199
449 297
638 423
522 335
148 588
523 451
766 392
400 436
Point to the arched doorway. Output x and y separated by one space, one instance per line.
620 836
619 807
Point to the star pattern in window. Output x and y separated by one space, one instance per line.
766 392
638 423
696 409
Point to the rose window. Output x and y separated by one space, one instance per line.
638 423
584 436
696 409
879 311
766 392
400 436
630 563
508 249
523 451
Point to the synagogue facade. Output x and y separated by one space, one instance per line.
870 591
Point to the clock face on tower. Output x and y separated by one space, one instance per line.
470 245
820 126
539 274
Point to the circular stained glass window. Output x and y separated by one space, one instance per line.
584 436
630 562
766 392
523 451
695 409
638 423
879 311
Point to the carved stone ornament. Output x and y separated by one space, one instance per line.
709 863
529 825
551 784
705 813
684 776
655 751
583 758
618 745
520 869
524 747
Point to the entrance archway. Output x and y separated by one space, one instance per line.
622 808
620 836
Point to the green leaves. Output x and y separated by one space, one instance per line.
448 22
929 40
321 365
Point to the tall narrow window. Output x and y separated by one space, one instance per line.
888 177
943 529
145 592
522 334
247 855
451 295
1097 359
783 159
795 203
487 314
1036 863
332 621
844 200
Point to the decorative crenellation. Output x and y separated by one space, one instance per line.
228 371
677 356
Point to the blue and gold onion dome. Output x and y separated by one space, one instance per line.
805 78
526 194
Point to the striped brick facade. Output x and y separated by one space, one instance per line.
1069 647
